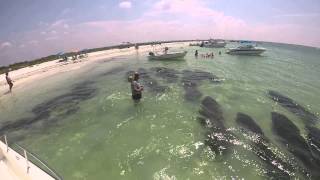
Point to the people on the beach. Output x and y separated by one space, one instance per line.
196 54
219 52
136 87
9 81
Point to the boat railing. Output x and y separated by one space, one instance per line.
30 157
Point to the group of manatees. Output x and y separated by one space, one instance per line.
58 108
219 138
65 104
190 80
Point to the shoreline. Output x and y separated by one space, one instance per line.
40 71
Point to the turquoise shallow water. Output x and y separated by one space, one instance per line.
102 134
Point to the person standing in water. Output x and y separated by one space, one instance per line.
196 54
9 81
136 87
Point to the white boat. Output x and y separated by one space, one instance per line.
24 166
246 50
214 43
165 55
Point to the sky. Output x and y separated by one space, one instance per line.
36 28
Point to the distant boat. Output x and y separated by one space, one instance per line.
246 50
167 55
214 43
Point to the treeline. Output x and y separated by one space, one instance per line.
23 64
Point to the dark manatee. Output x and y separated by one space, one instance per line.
314 141
309 119
295 143
170 75
192 92
293 107
248 123
113 71
198 75
55 109
148 81
261 148
191 80
218 138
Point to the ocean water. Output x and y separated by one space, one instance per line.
84 124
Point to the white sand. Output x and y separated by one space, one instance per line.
27 75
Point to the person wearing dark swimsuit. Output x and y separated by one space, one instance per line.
136 88
9 81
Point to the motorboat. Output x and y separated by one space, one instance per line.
16 163
165 55
214 43
246 50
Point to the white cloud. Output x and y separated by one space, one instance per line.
58 23
299 15
53 32
66 26
43 32
33 42
5 45
66 11
200 22
51 38
125 4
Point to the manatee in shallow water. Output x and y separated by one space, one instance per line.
198 75
293 107
113 71
192 92
295 143
150 82
248 123
61 106
170 75
309 119
260 147
191 80
218 138
314 141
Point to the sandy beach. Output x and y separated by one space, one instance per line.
25 76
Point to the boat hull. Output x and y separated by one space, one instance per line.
173 56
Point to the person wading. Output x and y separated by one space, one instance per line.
9 81
136 88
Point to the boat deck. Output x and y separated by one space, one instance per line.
13 166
